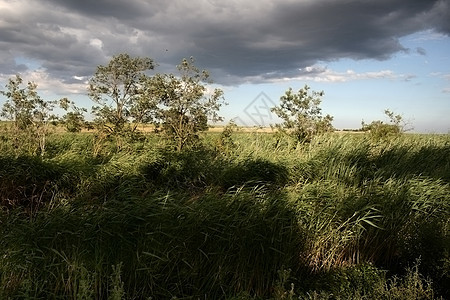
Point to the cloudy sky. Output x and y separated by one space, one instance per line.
367 55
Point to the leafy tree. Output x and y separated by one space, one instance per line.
20 103
186 104
119 83
30 114
302 115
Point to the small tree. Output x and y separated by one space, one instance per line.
301 114
186 106
73 120
118 83
30 115
20 103
225 143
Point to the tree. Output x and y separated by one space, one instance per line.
20 103
30 114
120 82
301 114
186 104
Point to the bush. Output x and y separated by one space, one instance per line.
382 131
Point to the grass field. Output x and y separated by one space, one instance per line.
343 217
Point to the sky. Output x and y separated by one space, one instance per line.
366 55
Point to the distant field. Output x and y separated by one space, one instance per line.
150 128
213 128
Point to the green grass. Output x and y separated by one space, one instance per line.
343 217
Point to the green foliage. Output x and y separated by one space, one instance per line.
116 291
31 116
120 82
225 143
127 215
20 103
181 104
368 282
301 114
381 131
199 168
186 104
73 120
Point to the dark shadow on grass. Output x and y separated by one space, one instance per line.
214 246
430 161
27 182
197 169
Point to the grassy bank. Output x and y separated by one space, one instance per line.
254 218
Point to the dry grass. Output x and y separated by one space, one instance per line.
255 129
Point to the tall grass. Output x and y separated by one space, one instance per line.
341 217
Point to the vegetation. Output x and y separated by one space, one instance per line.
186 107
342 217
120 82
380 130
179 104
31 116
73 120
126 96
180 213
302 115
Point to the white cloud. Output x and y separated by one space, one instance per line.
323 74
427 35
47 85
96 43
445 77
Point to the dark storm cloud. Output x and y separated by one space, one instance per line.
290 36
120 9
239 41
7 62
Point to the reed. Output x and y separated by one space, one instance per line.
343 216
